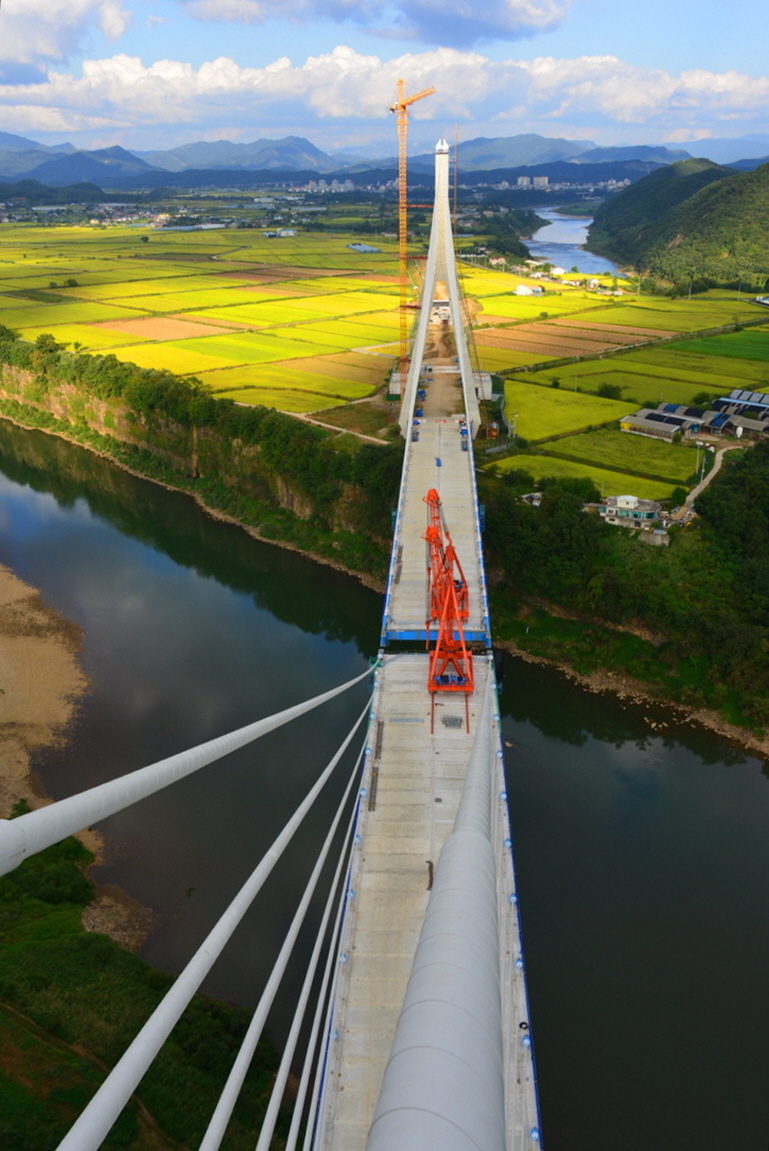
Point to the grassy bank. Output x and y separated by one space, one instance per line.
70 1003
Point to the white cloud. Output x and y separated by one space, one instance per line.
453 22
344 91
38 31
113 20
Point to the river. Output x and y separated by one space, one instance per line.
642 854
560 242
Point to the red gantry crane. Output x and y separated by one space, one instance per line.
451 663
401 110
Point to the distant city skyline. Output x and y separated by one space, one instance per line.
159 73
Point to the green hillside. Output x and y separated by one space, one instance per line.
622 224
691 221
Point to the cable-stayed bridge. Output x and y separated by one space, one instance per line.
413 1011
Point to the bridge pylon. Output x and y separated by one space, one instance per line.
440 268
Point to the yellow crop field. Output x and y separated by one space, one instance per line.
48 316
271 313
159 285
249 347
532 307
305 376
329 334
686 315
169 302
283 398
345 304
182 361
359 333
90 337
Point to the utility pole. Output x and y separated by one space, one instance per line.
401 110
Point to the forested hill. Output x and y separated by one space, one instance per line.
692 220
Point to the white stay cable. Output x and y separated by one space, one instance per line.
22 837
90 1129
331 966
276 1096
331 977
231 1090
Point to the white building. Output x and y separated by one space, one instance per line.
630 511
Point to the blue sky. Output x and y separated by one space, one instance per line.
159 73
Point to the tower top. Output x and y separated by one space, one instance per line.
441 147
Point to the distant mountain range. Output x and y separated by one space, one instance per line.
733 151
191 165
292 152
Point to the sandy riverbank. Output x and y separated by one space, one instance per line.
41 682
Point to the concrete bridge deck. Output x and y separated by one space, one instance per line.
420 749
435 460
413 782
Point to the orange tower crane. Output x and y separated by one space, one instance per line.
401 110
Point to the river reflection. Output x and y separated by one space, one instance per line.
642 855
643 870
191 629
561 242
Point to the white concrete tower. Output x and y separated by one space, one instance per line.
441 268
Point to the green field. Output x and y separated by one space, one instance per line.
622 451
564 302
159 282
745 345
709 310
674 373
545 412
608 482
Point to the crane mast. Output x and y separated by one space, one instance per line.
401 110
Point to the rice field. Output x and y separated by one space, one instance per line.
544 412
608 482
89 337
674 373
563 302
620 451
498 359
750 345
307 318
283 398
685 315
182 361
244 313
49 316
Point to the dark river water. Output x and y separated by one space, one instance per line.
642 858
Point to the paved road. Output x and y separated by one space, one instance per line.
692 496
